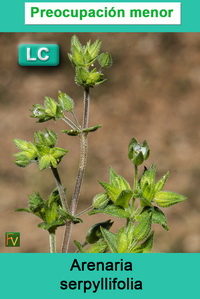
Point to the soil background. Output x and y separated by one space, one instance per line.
152 93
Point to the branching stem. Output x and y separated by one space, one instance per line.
61 189
70 123
81 170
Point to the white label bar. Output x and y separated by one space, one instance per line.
104 13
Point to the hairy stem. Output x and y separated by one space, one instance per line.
52 241
81 170
61 189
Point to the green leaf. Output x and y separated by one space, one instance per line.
25 145
94 49
77 56
148 192
111 191
160 184
79 246
54 197
95 78
105 60
51 213
112 210
130 230
92 129
37 205
145 247
94 233
28 153
124 198
111 240
46 161
71 132
167 198
143 227
100 201
21 159
38 111
149 177
160 218
48 138
23 210
50 106
53 225
118 181
65 101
122 241
58 153
98 247
82 75
75 42
67 216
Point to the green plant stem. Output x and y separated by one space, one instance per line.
135 177
75 119
61 189
52 241
70 123
84 211
81 170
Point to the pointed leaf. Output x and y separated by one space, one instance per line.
50 106
53 225
23 210
77 56
44 162
94 49
124 198
145 247
167 198
58 153
75 42
122 241
149 177
118 181
92 129
111 191
65 101
71 132
67 216
143 227
79 246
98 247
111 240
112 210
160 218
160 184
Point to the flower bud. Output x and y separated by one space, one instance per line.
137 153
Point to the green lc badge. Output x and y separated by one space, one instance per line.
38 55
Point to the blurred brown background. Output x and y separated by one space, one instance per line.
152 92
